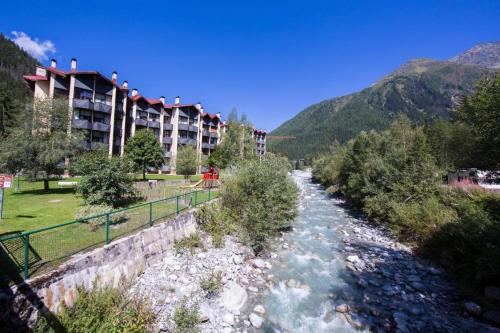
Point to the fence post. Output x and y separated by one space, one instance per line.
107 228
195 198
177 205
150 214
26 256
209 194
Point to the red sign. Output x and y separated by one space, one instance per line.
6 181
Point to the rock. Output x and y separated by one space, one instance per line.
237 260
255 320
259 309
353 259
472 308
253 289
204 318
492 316
342 308
259 263
434 271
234 296
228 319
418 286
492 292
401 321
172 277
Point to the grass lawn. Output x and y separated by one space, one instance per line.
33 208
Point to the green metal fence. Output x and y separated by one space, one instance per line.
35 251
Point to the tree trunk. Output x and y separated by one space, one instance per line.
46 184
143 173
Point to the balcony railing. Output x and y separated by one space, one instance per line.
83 104
168 126
182 141
82 124
192 142
167 139
100 127
183 127
101 107
205 132
141 122
193 128
205 145
165 168
167 154
154 124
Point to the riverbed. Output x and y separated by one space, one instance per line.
335 272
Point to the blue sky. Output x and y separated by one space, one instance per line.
269 59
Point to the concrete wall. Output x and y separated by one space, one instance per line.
121 260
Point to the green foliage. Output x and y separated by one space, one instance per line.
481 113
186 319
104 180
144 151
214 219
189 244
237 143
42 143
470 245
14 93
186 160
421 90
260 198
92 210
212 284
102 310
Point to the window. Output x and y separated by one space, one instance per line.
101 98
99 118
85 94
83 115
183 120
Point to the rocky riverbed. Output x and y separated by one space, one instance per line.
334 272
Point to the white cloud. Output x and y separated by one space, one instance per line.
36 48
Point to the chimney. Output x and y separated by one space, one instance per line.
198 106
162 99
134 92
73 64
177 100
125 84
218 115
53 63
114 76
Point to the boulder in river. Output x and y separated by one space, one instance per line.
234 296
255 320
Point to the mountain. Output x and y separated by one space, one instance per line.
14 63
485 55
422 89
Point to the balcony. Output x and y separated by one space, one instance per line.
168 126
205 145
154 124
193 128
165 168
167 139
141 122
182 141
183 127
101 127
205 132
192 142
167 154
83 104
82 124
101 107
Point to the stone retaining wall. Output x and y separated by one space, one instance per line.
121 260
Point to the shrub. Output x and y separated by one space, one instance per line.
214 219
212 284
91 210
186 319
104 180
260 198
188 244
102 310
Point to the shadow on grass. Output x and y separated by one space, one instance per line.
42 191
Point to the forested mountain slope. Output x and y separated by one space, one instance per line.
14 63
422 89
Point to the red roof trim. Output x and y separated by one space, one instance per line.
35 78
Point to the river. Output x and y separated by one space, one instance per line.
334 272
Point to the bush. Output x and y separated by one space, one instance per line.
214 219
104 180
102 310
260 198
92 210
212 284
186 319
188 244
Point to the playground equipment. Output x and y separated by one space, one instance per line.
210 179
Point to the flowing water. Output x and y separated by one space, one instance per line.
310 256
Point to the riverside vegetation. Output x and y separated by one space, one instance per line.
393 176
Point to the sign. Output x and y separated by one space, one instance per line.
6 181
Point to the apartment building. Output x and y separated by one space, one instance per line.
260 138
109 114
